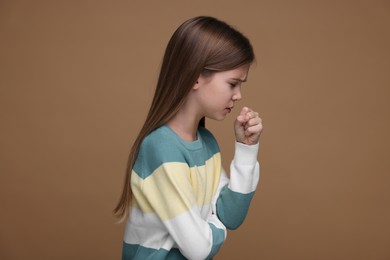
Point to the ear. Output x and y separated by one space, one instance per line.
198 82
196 85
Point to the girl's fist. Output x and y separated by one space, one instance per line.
248 126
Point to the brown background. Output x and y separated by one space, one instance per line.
77 78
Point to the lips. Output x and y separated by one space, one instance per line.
229 109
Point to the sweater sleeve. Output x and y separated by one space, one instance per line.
170 196
234 195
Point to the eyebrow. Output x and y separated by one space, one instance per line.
238 79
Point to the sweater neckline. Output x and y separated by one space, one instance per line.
191 145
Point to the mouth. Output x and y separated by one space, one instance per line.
229 109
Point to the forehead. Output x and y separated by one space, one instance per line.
239 73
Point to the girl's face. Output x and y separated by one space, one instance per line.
216 94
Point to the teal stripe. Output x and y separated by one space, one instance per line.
232 207
218 239
137 252
209 140
164 146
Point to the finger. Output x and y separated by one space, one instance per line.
252 114
254 121
243 117
244 111
256 129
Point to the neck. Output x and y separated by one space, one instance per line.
185 124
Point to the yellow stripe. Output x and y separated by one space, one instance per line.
182 187
139 200
205 180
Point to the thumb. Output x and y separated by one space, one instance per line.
242 118
244 110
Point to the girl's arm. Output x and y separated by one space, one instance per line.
234 195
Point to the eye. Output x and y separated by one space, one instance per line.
233 85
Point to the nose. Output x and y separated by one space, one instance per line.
237 95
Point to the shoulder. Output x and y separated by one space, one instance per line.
156 149
161 144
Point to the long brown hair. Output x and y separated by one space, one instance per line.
201 45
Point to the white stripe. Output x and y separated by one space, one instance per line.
149 231
193 235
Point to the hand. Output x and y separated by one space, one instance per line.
248 126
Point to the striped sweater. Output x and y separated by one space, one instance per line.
183 201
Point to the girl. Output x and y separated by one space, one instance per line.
182 201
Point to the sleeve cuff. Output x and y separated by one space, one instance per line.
246 154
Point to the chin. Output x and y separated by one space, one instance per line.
217 117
